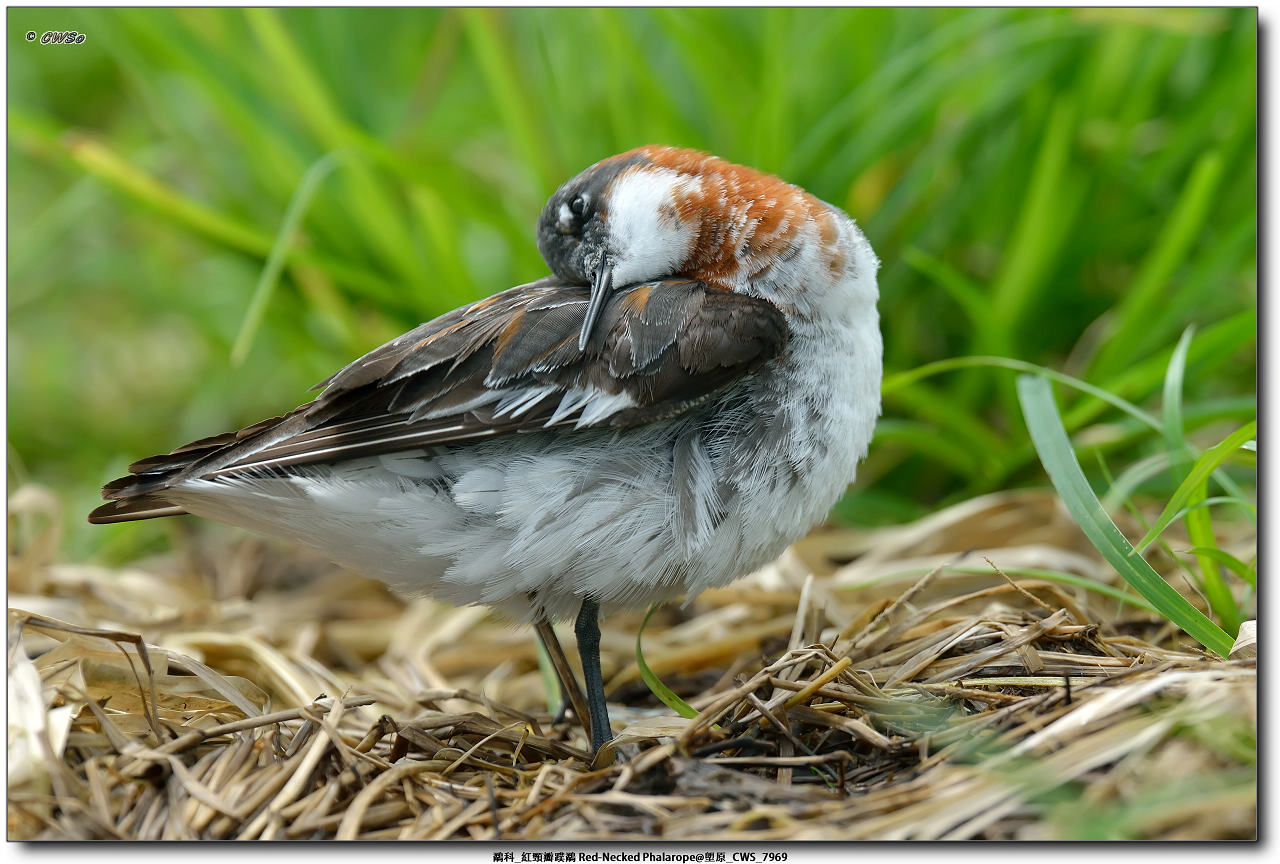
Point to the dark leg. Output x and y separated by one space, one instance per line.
587 629
570 693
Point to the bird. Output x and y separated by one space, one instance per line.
687 393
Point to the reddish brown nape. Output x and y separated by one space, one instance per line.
747 217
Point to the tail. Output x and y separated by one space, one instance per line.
140 495
143 507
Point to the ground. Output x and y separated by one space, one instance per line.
913 682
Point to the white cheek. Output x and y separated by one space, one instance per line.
647 237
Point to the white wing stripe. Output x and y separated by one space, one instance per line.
450 410
572 401
521 401
601 406
328 453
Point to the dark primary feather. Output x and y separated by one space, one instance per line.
500 365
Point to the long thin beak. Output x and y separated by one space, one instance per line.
601 287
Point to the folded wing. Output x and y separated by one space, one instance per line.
504 364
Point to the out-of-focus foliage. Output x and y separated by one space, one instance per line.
1069 188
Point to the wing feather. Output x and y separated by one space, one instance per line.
504 364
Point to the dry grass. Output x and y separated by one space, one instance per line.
837 700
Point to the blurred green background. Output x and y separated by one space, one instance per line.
1071 188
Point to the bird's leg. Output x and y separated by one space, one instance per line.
587 629
570 693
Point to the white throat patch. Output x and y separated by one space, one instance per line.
648 238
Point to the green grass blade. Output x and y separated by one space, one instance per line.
1132 317
1192 578
509 89
279 250
899 380
1173 431
925 440
107 165
1126 432
547 675
1200 471
770 133
1128 481
1039 235
1058 576
1197 518
1216 499
1247 572
898 67
949 413
100 161
384 225
656 687
1050 438
1215 345
897 385
306 92
969 296
1037 238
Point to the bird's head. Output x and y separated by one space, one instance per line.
666 212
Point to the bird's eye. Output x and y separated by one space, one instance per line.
578 205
